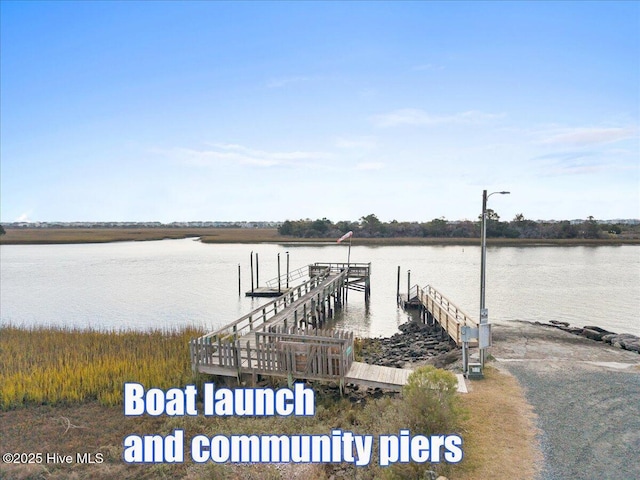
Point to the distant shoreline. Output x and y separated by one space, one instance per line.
42 236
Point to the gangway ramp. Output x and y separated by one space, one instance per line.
435 307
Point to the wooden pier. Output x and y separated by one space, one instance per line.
436 308
286 338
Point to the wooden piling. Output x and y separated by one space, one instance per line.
251 261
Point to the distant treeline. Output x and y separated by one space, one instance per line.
371 227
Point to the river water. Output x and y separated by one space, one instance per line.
172 283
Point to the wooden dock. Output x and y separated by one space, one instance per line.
267 292
377 376
285 337
436 308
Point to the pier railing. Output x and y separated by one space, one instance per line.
355 269
257 318
445 312
302 353
292 277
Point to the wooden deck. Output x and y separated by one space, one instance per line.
285 337
376 376
267 292
436 307
307 304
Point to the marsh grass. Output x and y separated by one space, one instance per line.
51 365
58 386
258 235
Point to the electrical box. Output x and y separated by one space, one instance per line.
475 371
484 335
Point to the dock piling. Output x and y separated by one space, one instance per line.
251 261
279 289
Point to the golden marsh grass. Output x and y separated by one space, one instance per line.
50 365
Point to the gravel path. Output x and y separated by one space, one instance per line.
590 421
587 399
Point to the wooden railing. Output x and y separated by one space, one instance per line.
301 353
291 277
355 269
445 312
261 315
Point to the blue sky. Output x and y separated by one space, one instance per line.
176 111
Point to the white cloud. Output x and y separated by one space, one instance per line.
418 117
24 217
370 166
573 170
238 154
587 136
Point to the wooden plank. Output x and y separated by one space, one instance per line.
377 376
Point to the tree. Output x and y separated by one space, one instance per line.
371 225
286 228
370 221
437 228
2 232
492 215
591 228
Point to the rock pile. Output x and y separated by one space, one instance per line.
625 341
415 342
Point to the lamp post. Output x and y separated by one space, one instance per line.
483 262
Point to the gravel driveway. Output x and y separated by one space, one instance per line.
586 396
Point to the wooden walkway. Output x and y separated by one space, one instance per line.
377 376
285 337
435 307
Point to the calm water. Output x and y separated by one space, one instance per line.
171 283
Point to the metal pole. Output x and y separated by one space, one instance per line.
287 269
257 272
483 249
279 290
239 287
483 261
251 271
398 287
408 285
483 264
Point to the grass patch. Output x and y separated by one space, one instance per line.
499 431
49 365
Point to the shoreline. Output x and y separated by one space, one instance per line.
64 236
531 363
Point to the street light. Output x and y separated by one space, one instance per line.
483 262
